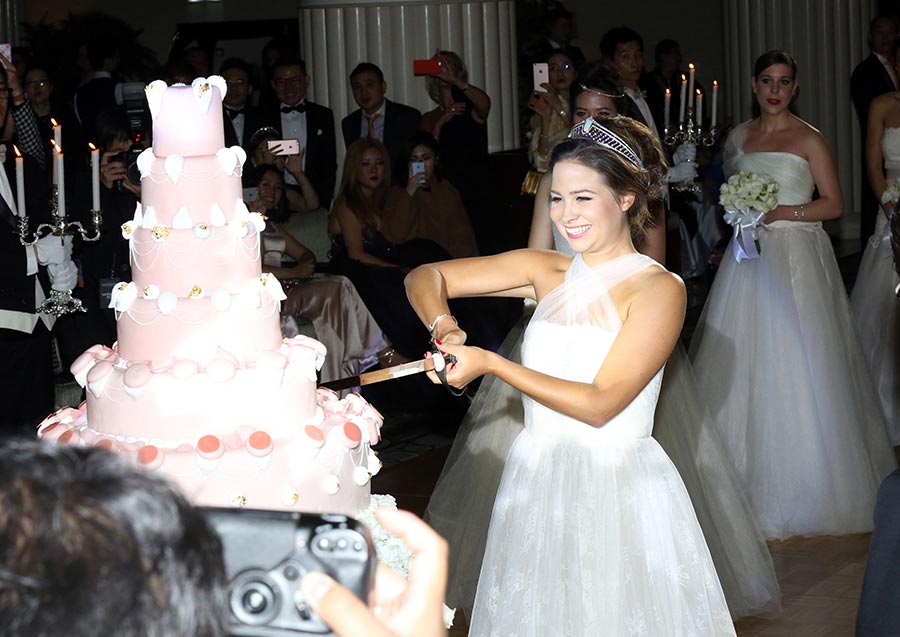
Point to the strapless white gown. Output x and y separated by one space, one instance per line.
875 306
460 507
777 358
592 532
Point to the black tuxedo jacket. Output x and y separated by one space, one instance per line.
253 121
400 123
321 152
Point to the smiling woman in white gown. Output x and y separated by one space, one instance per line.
462 501
592 530
775 351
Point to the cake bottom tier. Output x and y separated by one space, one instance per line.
323 466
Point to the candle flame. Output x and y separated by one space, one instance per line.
715 83
91 144
691 66
683 77
16 148
57 147
668 91
53 121
698 92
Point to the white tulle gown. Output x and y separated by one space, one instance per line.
592 532
460 507
777 358
875 306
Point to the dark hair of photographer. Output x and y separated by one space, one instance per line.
94 546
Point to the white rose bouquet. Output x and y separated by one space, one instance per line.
747 198
892 192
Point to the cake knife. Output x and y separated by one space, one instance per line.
433 363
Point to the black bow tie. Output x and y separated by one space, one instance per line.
299 108
232 113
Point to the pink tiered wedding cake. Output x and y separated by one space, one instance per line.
200 385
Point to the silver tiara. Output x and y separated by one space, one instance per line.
602 136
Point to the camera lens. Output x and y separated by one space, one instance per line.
254 599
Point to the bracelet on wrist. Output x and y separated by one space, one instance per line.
799 214
440 317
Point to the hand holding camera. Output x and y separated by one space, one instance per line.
398 607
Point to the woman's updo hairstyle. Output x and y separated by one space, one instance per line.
621 174
769 58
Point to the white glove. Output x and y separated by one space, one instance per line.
685 152
683 171
52 250
63 276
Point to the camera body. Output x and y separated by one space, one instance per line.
129 158
267 553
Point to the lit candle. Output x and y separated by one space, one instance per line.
95 177
715 100
20 182
57 133
55 167
683 98
699 108
668 106
691 85
60 184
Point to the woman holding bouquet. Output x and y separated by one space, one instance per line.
873 301
775 348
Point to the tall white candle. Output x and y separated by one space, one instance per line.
715 100
691 85
60 186
668 108
55 167
683 98
699 108
95 177
57 133
20 182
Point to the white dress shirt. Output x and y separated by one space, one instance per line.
890 69
293 126
644 108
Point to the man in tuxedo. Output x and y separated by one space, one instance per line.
872 77
558 23
311 124
379 118
240 118
623 52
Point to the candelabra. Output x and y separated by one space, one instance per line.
59 302
689 132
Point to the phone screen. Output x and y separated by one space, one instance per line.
6 50
418 167
541 71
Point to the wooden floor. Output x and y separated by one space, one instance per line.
820 578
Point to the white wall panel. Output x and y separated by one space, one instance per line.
828 39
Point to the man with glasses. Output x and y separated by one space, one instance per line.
312 125
241 119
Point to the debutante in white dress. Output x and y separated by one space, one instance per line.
460 507
777 358
592 532
875 305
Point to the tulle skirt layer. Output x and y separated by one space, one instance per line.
876 315
461 505
595 538
777 359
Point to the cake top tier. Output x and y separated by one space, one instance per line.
187 120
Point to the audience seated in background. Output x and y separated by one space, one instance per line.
552 118
302 197
240 118
557 36
427 206
93 546
309 123
666 74
330 302
459 123
379 118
